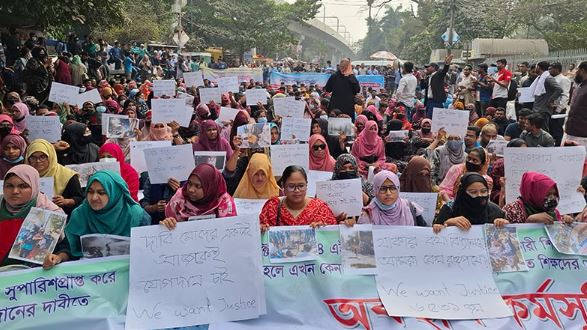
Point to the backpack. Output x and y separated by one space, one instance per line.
512 90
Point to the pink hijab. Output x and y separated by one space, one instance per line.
30 176
368 143
398 214
320 164
159 134
373 109
20 115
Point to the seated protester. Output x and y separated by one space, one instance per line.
204 193
242 118
13 151
369 149
488 133
537 201
471 206
514 130
19 111
346 168
258 181
498 172
7 126
107 209
396 150
473 115
477 161
275 134
156 196
388 208
534 135
81 148
295 208
416 177
444 157
423 137
501 121
112 152
210 140
21 193
472 138
67 188
360 122
336 144
320 158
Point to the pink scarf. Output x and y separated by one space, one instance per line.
30 176
325 163
368 143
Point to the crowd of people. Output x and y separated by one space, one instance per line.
468 178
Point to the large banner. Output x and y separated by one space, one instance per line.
552 294
374 81
243 74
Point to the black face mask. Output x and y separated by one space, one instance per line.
472 167
345 175
476 202
426 130
86 139
5 131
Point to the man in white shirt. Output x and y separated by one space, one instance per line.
373 97
406 90
562 103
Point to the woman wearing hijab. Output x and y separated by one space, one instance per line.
41 155
477 161
320 159
471 206
210 139
346 168
388 208
258 181
295 208
242 118
416 176
446 156
396 149
368 148
424 136
7 126
107 209
110 151
204 193
159 132
360 124
275 134
336 144
78 71
13 151
21 193
537 202
498 172
19 112
344 86
81 148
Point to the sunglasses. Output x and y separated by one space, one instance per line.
319 147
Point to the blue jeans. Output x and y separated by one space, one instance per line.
430 105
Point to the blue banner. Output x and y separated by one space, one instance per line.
309 78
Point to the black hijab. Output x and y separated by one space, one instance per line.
323 123
81 150
475 209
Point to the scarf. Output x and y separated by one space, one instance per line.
60 173
361 119
368 143
17 141
412 181
128 173
533 190
429 135
116 218
398 214
82 150
214 187
373 109
218 144
241 118
258 162
20 113
448 158
326 163
273 125
462 206
537 86
345 67
159 134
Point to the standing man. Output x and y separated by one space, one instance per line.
501 84
435 95
546 92
484 89
406 91
576 127
562 104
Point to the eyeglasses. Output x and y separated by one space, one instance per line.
293 187
41 158
384 189
319 147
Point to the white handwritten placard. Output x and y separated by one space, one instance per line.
164 88
338 125
168 110
61 93
398 136
164 163
454 122
195 274
295 129
316 176
43 127
562 164
137 154
227 114
249 206
208 95
193 79
289 154
89 96
228 84
86 170
289 107
526 95
47 186
496 147
462 287
256 95
426 200
343 196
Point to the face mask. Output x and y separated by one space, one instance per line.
324 117
550 203
426 130
5 131
101 109
262 120
472 167
476 202
454 146
345 175
107 160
